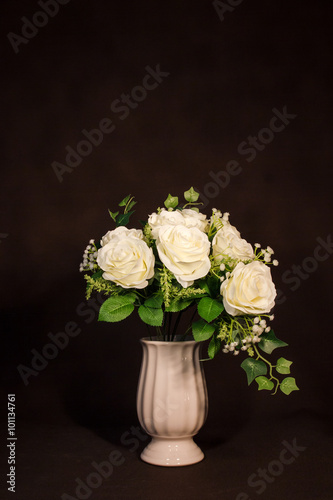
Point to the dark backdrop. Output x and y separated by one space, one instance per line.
225 70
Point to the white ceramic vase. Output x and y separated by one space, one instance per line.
172 401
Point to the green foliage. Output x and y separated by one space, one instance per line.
191 195
253 368
264 383
100 285
269 342
288 385
202 330
151 315
123 219
214 346
171 201
209 309
283 366
117 308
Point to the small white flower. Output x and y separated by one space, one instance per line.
267 257
271 317
222 278
244 348
92 242
256 338
275 262
244 340
225 351
255 328
263 323
227 274
267 329
270 250
222 267
257 245
91 266
256 320
231 348
236 352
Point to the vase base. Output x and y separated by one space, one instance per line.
172 452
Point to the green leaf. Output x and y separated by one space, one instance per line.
214 347
178 305
97 275
283 366
171 201
151 315
123 219
269 342
116 308
253 368
288 385
113 215
154 302
191 195
202 330
209 309
130 205
264 383
124 201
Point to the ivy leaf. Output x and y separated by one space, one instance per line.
209 309
191 195
264 383
202 330
122 219
113 215
288 385
283 366
151 315
269 342
178 305
214 347
253 368
116 308
171 201
124 201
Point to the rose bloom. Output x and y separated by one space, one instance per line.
227 241
186 217
184 251
125 258
249 290
121 230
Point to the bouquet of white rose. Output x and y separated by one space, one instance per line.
181 260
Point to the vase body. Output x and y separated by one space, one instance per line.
172 401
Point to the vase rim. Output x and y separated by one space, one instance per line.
177 341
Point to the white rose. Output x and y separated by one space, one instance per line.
126 259
156 221
120 231
249 290
186 217
184 251
228 241
193 218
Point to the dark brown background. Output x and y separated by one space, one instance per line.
225 79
